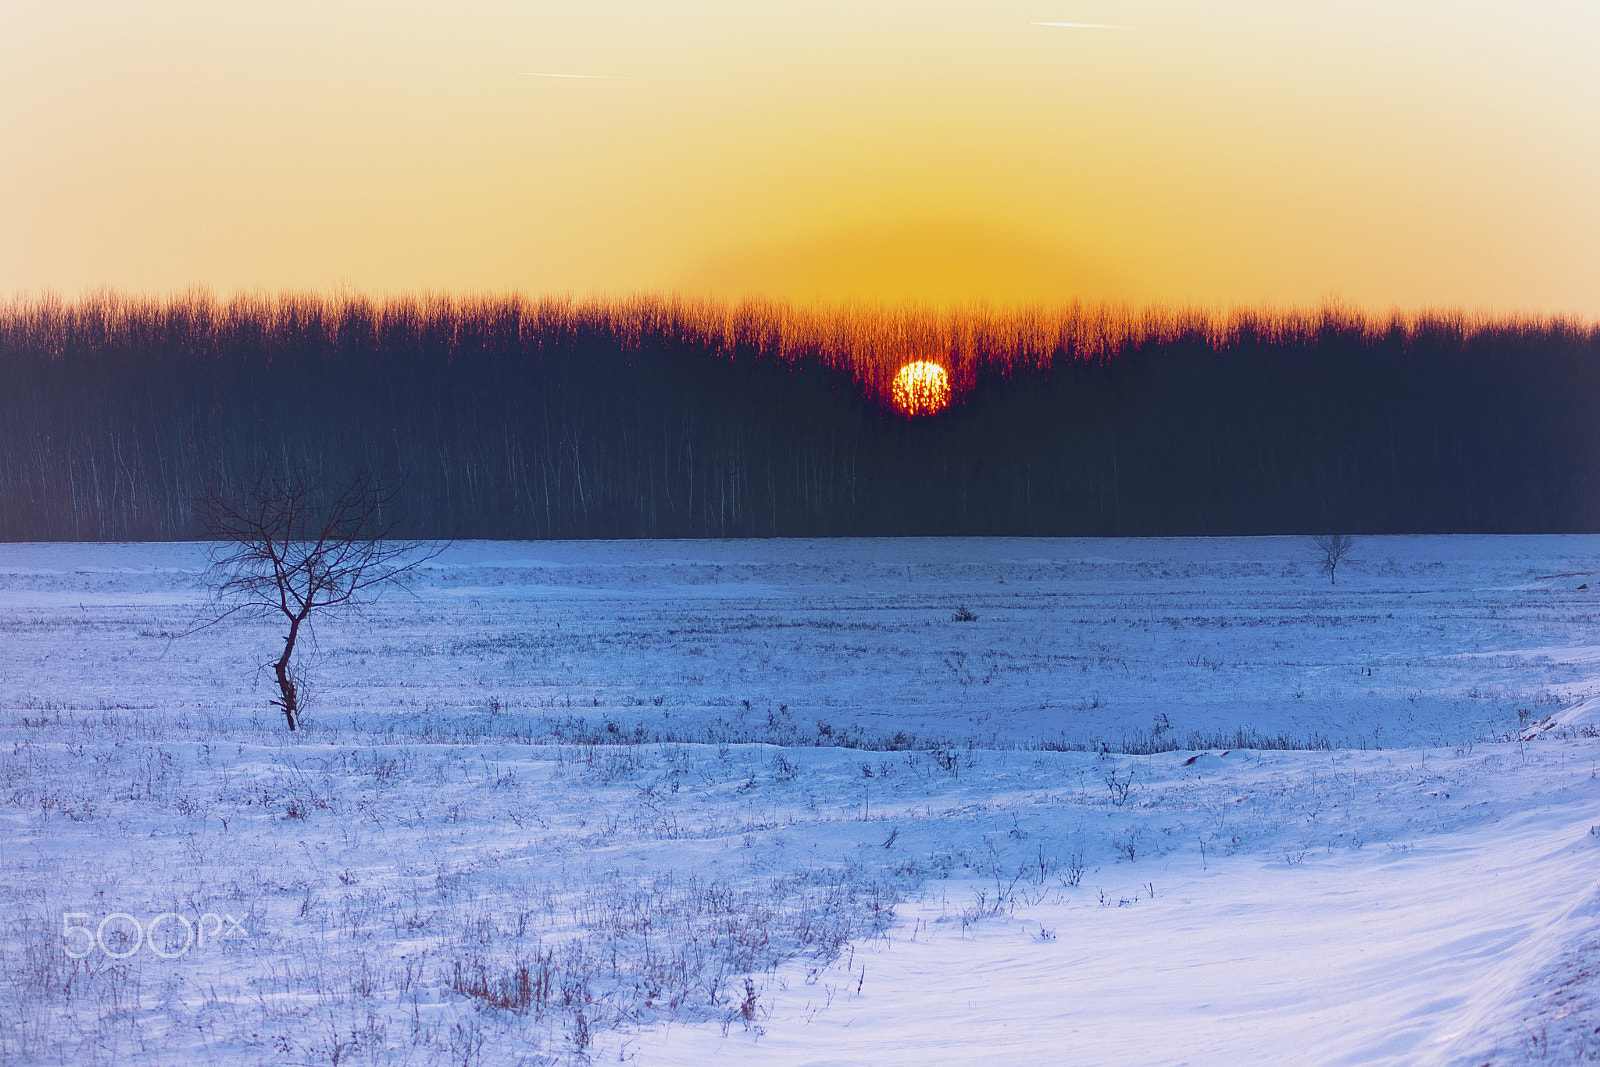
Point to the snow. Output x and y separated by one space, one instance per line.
619 765
1380 956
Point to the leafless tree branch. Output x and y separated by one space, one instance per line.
1333 549
290 548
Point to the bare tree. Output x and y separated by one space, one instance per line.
291 548
1333 548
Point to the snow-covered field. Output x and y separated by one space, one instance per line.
1159 801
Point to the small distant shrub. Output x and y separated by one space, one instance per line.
1119 785
1332 549
1072 869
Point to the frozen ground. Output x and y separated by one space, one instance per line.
688 802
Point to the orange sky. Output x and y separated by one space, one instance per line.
1387 152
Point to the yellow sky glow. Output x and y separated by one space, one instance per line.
1388 152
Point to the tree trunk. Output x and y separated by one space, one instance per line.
289 703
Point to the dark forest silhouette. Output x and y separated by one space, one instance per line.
507 418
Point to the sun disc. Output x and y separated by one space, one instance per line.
921 388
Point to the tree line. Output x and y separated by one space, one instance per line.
514 418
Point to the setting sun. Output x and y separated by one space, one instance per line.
921 388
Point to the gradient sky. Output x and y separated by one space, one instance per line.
1386 152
